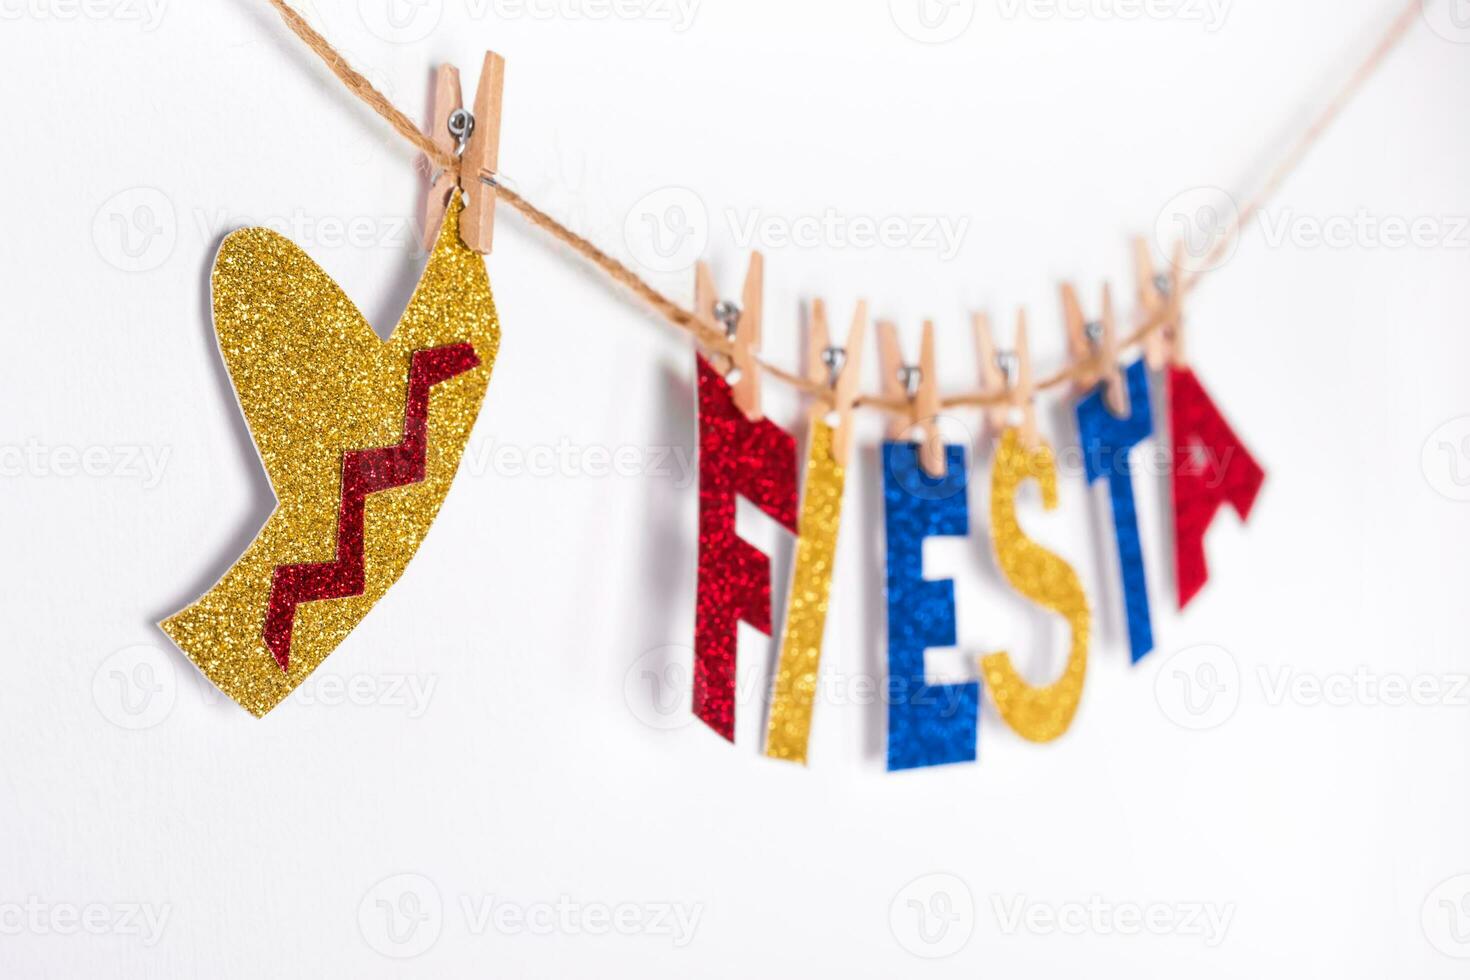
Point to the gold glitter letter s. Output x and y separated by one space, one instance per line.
1039 714
806 607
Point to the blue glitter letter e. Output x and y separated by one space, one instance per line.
928 725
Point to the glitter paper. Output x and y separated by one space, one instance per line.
806 607
364 471
1039 714
928 724
756 460
1106 440
1211 467
315 382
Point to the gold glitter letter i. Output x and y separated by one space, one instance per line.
806 607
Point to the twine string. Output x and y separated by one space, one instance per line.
713 339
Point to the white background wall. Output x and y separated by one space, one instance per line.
490 731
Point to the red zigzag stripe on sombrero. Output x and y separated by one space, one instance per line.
364 471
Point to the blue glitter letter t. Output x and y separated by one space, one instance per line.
1106 440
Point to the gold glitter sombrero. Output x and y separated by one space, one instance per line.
361 438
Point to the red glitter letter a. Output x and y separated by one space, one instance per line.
1211 467
756 460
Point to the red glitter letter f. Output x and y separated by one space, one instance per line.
756 460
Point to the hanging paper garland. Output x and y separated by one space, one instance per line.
361 438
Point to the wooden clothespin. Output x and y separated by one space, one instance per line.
1093 345
475 137
918 387
838 369
741 326
1009 378
1161 295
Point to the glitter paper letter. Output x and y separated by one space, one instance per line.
928 724
1212 467
795 689
1039 714
755 460
1106 440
